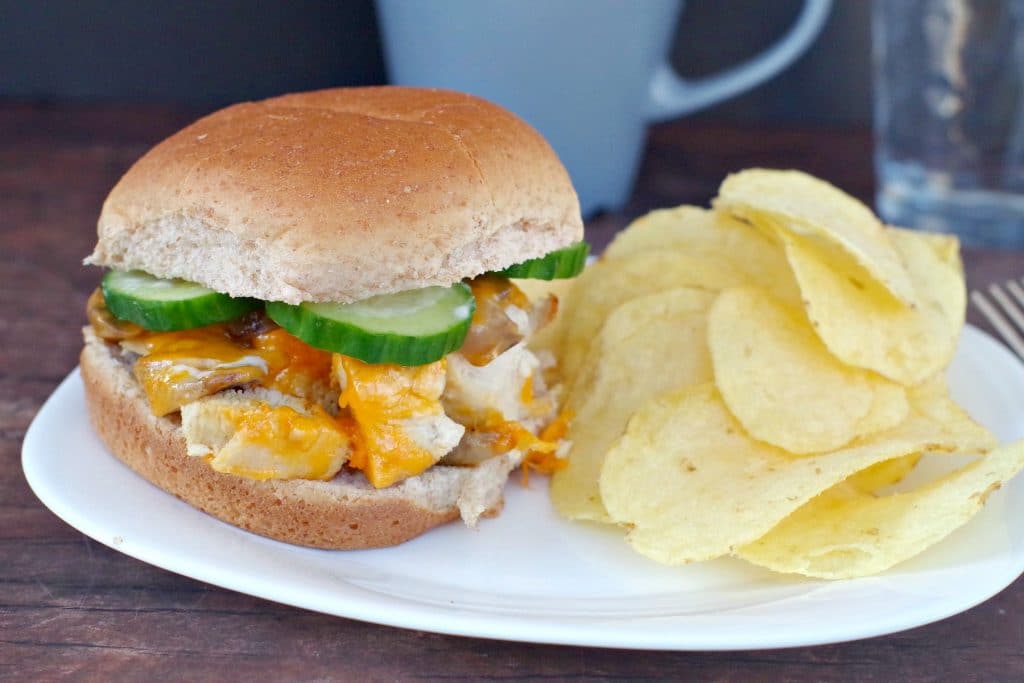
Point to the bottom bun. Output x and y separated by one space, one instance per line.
343 513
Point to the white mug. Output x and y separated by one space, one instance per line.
588 74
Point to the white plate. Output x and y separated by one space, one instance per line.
530 576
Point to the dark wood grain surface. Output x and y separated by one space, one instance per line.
70 606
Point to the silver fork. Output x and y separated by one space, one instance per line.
1007 308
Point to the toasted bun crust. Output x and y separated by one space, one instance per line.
337 195
344 513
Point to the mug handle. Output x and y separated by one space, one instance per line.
672 96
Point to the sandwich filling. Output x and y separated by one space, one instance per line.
257 402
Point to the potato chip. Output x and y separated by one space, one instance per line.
693 486
902 343
636 325
946 247
682 247
934 265
846 533
755 380
681 226
702 233
795 203
607 284
670 328
884 474
931 398
783 385
888 408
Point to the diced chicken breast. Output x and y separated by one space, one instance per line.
263 434
474 393
436 434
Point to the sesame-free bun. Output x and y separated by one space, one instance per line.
343 513
338 195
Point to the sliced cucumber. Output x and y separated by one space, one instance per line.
166 305
561 263
408 328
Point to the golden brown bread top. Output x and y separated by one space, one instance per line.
337 195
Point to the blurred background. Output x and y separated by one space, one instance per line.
948 143
207 54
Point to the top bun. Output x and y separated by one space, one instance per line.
342 194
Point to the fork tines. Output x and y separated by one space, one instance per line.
1007 308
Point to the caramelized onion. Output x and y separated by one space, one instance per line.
103 321
503 318
543 312
249 326
474 448
172 380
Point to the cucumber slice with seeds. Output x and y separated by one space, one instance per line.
561 263
167 305
415 327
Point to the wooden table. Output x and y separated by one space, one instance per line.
69 605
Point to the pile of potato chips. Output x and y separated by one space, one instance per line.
752 380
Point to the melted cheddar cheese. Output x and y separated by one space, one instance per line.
540 453
526 393
388 407
550 458
294 366
246 435
179 367
491 288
